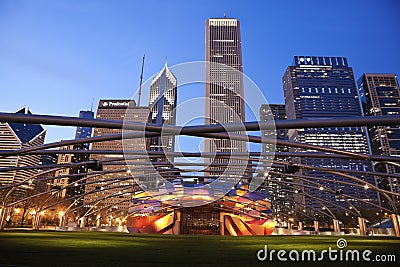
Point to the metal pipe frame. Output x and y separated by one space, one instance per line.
219 131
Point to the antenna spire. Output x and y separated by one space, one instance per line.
91 108
224 15
141 81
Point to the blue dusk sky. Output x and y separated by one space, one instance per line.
57 56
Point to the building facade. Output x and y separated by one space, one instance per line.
224 82
14 136
81 133
84 131
70 175
324 87
63 173
380 96
45 180
114 189
281 193
162 104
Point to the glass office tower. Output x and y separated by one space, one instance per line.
317 88
380 96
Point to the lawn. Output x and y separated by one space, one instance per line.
47 248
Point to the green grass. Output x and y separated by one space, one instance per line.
46 248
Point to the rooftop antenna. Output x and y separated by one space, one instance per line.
141 80
224 15
91 108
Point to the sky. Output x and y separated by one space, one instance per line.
56 57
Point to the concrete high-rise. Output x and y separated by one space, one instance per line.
224 81
107 190
15 136
62 182
380 95
318 87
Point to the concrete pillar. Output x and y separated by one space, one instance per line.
98 221
33 221
177 222
336 226
316 226
36 221
396 225
300 227
222 223
362 226
83 221
62 220
110 221
3 217
120 223
289 227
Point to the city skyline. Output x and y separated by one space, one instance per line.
314 155
53 69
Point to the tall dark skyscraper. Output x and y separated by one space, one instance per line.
224 91
162 104
324 87
84 132
81 132
379 94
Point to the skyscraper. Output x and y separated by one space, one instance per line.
224 83
81 132
45 180
162 104
16 136
281 195
277 112
119 192
59 183
84 132
324 87
379 94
